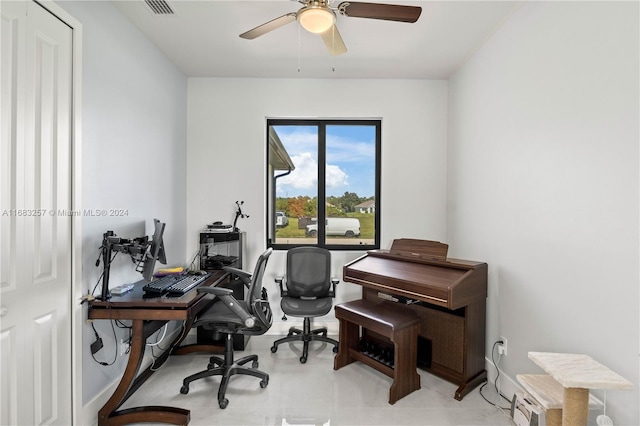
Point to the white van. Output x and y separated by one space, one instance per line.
281 220
347 226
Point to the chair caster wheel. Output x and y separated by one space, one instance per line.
303 359
223 403
335 349
254 364
264 383
184 390
274 349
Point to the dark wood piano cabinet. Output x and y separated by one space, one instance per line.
449 296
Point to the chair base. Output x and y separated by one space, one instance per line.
306 335
226 368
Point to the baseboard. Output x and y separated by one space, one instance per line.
506 384
91 409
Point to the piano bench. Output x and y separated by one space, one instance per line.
400 327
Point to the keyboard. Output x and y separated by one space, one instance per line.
161 285
187 283
174 284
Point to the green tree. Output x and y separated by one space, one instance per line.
349 201
282 205
311 207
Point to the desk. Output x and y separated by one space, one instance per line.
577 374
148 315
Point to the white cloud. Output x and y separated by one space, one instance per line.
305 175
336 178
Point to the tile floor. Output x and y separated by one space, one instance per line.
312 393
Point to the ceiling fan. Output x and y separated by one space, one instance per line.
319 17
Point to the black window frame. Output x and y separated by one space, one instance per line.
321 237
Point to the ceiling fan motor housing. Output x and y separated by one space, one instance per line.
316 17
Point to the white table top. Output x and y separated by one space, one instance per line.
579 371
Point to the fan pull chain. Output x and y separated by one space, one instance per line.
299 46
333 42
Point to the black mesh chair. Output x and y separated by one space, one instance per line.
307 291
228 316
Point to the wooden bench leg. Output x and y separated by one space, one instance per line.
406 378
349 337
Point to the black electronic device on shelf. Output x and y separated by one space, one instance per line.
218 250
144 253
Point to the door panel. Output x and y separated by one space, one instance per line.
35 184
9 382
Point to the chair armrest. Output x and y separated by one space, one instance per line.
334 283
217 291
243 276
280 279
226 296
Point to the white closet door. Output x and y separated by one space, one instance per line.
35 187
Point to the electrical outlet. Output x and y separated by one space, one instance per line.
502 347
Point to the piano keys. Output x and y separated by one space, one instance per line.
449 296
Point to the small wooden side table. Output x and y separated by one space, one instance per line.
577 374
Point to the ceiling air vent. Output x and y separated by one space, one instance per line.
159 7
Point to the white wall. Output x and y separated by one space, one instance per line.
543 184
227 155
133 157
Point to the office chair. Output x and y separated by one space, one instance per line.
308 293
228 316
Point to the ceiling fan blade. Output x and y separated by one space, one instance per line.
333 40
269 26
387 12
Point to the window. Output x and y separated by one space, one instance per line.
323 172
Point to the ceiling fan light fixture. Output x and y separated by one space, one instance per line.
316 19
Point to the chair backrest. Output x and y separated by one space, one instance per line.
308 272
258 305
254 291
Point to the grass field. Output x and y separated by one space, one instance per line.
367 227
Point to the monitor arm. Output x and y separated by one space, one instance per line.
111 243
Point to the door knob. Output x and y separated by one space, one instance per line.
3 311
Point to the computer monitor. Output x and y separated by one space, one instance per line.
156 251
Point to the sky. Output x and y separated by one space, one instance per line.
350 160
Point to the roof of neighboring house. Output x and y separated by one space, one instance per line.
278 155
366 204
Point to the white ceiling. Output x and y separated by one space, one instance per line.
202 39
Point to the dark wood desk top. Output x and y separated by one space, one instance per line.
136 305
